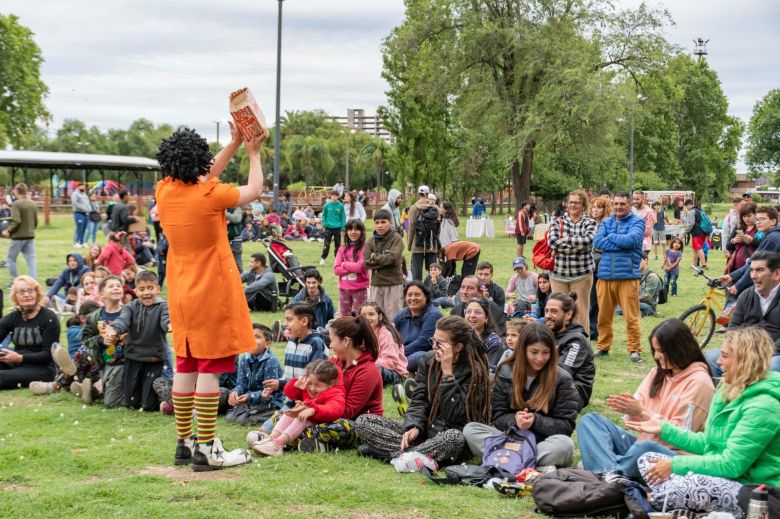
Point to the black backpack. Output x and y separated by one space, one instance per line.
663 293
426 227
579 493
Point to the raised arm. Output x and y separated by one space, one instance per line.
225 154
254 185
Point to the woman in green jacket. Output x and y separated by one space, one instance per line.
740 443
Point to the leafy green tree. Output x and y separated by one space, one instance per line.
763 150
22 92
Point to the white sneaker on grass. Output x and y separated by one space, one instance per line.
213 456
253 437
41 388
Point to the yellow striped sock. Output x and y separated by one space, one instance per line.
206 405
182 410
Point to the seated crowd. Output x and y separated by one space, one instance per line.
514 359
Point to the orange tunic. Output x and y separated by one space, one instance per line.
209 314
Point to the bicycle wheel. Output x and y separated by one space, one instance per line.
701 321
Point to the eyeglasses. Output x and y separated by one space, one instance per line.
435 343
575 202
762 219
26 292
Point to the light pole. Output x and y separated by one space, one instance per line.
639 97
278 101
218 123
346 176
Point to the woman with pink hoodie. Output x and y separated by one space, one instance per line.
114 256
390 359
349 267
678 390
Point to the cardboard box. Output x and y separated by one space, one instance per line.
246 113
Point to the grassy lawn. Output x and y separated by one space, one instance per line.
60 457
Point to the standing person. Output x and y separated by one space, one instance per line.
423 239
120 216
333 220
571 239
24 220
672 265
207 337
522 227
453 249
394 199
698 236
93 220
284 205
600 208
645 212
33 330
81 209
351 270
742 242
619 237
353 208
730 221
383 256
659 229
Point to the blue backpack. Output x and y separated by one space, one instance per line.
704 223
510 452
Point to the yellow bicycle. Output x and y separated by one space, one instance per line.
701 318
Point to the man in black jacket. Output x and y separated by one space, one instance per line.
120 221
758 307
575 351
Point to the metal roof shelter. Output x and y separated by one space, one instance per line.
84 162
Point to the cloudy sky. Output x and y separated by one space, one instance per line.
108 63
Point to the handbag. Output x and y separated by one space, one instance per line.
94 216
543 256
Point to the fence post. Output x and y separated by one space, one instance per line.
46 208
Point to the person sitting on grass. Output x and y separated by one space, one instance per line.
114 256
145 323
490 290
543 291
416 323
522 287
34 329
88 291
574 349
470 287
533 393
318 397
478 317
250 401
314 294
678 389
69 277
740 443
261 289
390 359
351 270
438 286
451 390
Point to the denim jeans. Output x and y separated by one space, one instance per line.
389 377
443 302
26 247
414 359
605 447
671 281
712 358
90 235
81 227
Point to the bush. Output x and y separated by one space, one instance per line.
296 186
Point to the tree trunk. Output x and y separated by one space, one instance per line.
493 203
521 174
464 206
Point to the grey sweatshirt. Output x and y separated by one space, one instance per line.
81 202
146 328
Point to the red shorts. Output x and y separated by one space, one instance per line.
697 242
190 364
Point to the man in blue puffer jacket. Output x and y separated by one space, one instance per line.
619 237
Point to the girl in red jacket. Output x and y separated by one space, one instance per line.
114 256
318 396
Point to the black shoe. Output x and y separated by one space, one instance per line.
409 387
312 445
367 451
184 450
601 353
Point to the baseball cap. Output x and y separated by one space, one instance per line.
519 262
423 190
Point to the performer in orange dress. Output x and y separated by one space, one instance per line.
209 315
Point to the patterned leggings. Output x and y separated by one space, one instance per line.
86 367
694 491
350 301
385 435
340 434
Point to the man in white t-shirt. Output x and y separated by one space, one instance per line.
645 212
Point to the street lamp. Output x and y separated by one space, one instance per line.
278 101
221 121
346 176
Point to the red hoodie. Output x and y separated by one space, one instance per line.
328 405
115 258
363 384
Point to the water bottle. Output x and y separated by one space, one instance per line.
758 506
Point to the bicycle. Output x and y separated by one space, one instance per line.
702 318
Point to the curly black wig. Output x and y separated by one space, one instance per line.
184 156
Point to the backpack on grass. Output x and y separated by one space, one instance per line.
426 228
510 452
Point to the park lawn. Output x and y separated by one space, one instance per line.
60 457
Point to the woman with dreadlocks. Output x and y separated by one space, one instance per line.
209 316
452 389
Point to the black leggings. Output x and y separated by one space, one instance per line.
14 376
329 233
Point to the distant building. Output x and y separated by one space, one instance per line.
371 124
744 185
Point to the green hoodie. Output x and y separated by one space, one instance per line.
741 439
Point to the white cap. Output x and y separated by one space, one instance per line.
423 190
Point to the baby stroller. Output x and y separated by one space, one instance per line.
284 262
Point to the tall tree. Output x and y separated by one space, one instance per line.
763 153
22 92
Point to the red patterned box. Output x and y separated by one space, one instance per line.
246 113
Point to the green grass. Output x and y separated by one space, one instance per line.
60 457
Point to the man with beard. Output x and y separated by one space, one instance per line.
471 287
575 352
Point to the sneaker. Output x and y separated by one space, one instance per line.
256 446
166 408
601 353
184 449
212 456
253 437
75 389
409 384
269 447
399 395
368 451
62 359
635 357
312 445
86 391
322 262
41 388
2 264
615 477
276 331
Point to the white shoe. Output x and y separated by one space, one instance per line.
215 457
255 436
62 359
322 262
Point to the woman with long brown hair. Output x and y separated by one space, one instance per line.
531 392
451 390
742 242
600 208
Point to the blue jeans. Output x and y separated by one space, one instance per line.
443 302
27 248
414 359
389 377
671 281
81 227
90 235
712 357
605 447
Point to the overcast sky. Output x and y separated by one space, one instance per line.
109 63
